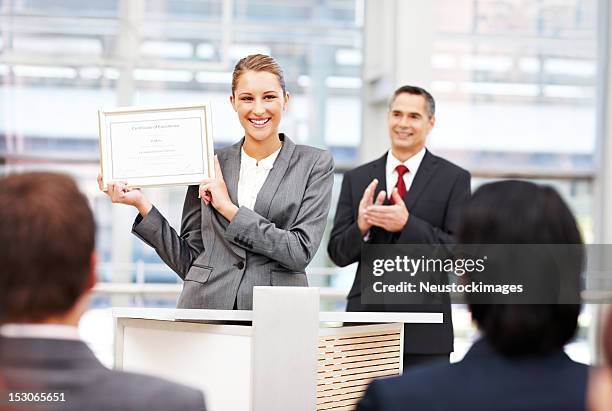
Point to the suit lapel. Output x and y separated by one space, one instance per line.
275 177
379 172
230 167
424 173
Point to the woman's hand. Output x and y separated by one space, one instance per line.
214 191
120 193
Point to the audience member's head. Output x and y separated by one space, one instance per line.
517 212
47 256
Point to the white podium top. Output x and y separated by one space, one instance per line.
173 314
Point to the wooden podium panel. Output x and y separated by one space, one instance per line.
349 357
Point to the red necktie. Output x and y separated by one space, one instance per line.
401 186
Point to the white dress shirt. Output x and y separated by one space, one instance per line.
252 176
46 331
412 164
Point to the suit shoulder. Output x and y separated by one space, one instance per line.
153 390
415 387
362 170
224 150
577 368
450 166
147 382
314 154
310 151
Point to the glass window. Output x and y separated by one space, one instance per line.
62 60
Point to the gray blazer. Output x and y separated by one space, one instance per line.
46 365
220 261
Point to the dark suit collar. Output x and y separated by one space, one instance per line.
379 172
423 174
482 349
32 351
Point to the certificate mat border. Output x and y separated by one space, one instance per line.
202 143
104 116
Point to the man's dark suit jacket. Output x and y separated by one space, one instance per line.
484 381
51 365
438 191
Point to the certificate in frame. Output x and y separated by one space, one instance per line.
156 146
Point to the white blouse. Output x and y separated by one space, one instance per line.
252 177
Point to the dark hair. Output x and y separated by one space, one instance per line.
417 91
258 62
519 212
47 234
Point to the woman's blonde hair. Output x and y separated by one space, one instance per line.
258 62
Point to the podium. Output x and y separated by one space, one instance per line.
283 355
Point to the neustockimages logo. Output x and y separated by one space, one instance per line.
412 266
424 265
478 273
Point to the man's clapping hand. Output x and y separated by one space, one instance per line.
392 218
367 200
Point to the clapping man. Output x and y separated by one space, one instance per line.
407 196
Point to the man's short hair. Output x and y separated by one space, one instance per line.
417 91
47 234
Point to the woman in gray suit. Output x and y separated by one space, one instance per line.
260 220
